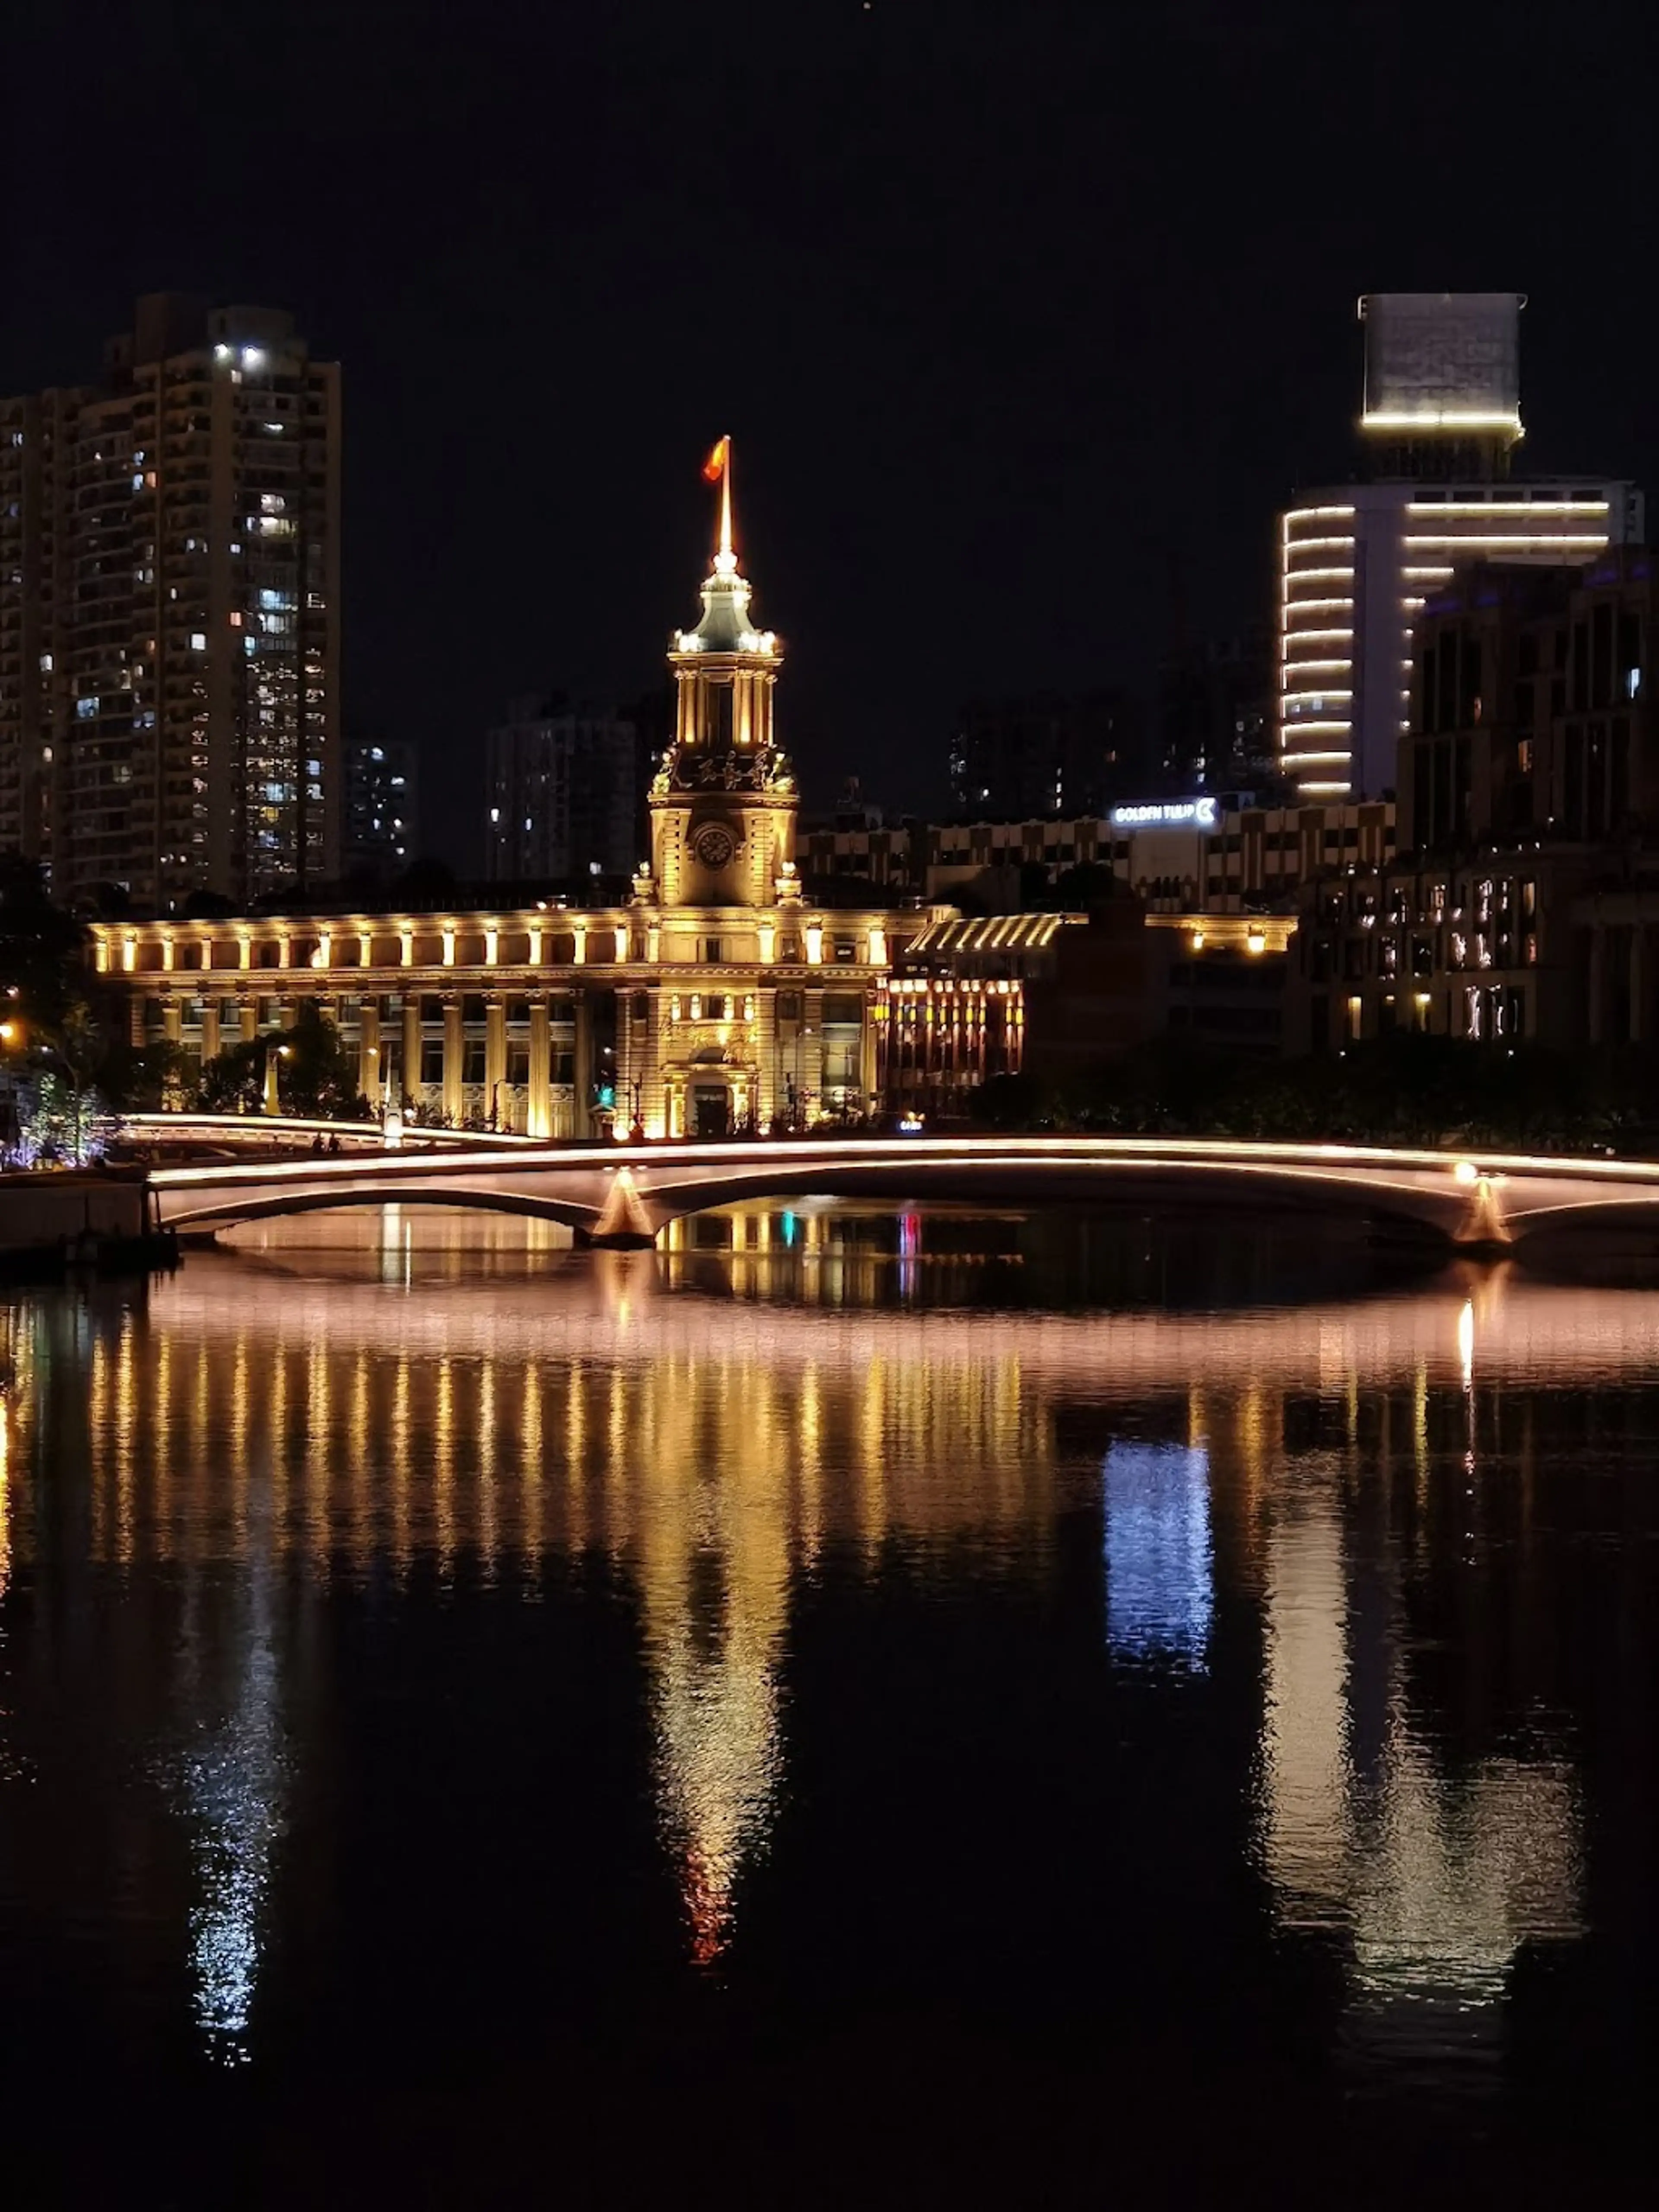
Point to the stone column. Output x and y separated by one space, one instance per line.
582 1070
209 1030
541 1105
248 1009
411 1081
370 1070
496 1055
454 1060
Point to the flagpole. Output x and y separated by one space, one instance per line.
725 499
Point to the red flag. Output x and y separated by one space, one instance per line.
714 467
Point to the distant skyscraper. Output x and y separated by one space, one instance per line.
1215 714
564 794
1441 421
169 643
1018 760
382 810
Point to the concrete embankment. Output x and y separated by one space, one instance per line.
50 1221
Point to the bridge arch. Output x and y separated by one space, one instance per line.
270 1205
1417 1211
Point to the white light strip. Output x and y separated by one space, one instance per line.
1508 507
1314 636
1441 418
1313 544
1416 540
1312 513
1315 606
1291 697
1316 576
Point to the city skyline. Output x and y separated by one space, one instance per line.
958 370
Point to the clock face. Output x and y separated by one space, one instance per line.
714 844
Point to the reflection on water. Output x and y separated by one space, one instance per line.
1347 1545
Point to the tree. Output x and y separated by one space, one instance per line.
319 1076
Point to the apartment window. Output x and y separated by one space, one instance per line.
432 1059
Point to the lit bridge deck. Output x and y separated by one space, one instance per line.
625 1194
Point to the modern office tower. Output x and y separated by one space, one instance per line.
1015 760
1440 425
382 807
564 796
169 644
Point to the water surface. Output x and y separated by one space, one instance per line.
854 1704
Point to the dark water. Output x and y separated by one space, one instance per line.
851 1709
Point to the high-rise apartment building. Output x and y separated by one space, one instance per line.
1440 425
564 794
382 807
169 592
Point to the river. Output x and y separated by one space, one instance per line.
855 1705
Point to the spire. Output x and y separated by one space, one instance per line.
725 559
725 625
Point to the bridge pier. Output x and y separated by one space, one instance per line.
1482 1228
623 1224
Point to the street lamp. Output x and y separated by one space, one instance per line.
273 1094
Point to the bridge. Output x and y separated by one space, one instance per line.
625 1194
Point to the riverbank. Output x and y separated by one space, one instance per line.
52 1220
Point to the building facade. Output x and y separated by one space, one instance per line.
1215 714
169 598
564 794
382 807
716 998
1047 754
1523 900
1357 561
1202 855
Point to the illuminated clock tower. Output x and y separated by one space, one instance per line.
724 802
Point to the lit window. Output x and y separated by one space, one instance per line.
198 640
46 661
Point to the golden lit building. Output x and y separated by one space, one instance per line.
716 998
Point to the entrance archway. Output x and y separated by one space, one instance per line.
711 1109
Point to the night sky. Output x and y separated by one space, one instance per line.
1024 316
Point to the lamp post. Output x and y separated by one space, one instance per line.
273 1090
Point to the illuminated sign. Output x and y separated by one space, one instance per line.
1166 814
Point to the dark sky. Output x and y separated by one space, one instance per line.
1015 308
